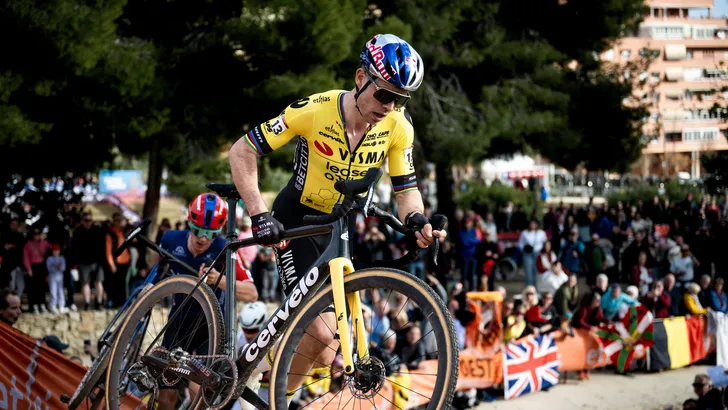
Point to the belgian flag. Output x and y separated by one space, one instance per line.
678 342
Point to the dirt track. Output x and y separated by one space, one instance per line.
606 390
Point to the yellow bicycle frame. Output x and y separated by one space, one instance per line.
338 268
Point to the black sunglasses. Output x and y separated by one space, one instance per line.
385 96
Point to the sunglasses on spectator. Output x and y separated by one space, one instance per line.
204 233
385 96
698 384
529 293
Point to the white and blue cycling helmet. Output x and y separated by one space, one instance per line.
393 60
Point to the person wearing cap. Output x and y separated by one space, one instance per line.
56 264
613 300
54 343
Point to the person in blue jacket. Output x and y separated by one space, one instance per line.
613 300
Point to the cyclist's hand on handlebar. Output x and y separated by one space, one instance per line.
212 276
266 229
424 233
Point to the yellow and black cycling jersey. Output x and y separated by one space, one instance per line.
323 155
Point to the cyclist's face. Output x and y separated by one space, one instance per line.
373 110
199 243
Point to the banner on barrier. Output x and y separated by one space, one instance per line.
529 365
679 342
33 376
579 352
485 332
412 387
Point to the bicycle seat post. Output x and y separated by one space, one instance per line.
230 266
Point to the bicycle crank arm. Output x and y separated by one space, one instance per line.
192 371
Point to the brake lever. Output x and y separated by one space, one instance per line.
436 247
438 223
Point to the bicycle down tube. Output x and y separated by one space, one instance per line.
306 287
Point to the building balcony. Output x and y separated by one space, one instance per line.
660 146
684 4
673 123
715 22
636 43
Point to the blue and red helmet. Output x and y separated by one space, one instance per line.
207 211
393 60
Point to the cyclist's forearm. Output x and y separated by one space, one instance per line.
408 202
244 291
244 167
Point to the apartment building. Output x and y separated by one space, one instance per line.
684 82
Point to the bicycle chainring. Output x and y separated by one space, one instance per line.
225 367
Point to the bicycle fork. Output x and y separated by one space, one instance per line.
338 268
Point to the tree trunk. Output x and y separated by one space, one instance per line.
445 196
154 186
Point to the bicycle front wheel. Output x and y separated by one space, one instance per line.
199 333
418 327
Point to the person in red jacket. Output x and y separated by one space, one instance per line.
588 315
657 301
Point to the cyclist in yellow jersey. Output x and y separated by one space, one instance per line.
340 135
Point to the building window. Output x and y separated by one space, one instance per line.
668 32
707 53
655 76
689 55
700 134
673 97
693 73
703 33
655 96
609 55
710 135
673 136
625 54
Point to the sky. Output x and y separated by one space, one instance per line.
720 9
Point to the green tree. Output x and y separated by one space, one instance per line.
222 67
57 63
522 75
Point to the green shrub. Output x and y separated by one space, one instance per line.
273 179
674 191
631 194
496 195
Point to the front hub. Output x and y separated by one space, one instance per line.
368 378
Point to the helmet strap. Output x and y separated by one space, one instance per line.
356 96
359 91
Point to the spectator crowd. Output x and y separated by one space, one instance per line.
582 266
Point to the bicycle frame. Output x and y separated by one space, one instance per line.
334 262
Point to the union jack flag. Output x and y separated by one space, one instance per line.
530 365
